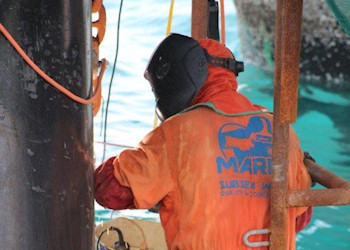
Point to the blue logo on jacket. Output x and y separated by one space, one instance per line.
246 149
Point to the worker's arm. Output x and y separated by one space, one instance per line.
138 177
108 191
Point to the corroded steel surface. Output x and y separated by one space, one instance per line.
321 197
326 178
337 194
287 54
199 19
278 207
287 50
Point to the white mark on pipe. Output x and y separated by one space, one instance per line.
38 189
278 173
30 152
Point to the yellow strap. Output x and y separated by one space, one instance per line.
170 18
168 29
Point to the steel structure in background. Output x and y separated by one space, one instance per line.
46 150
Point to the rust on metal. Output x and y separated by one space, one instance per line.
326 178
287 53
199 19
287 56
321 197
337 194
278 206
286 76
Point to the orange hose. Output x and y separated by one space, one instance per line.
48 78
222 19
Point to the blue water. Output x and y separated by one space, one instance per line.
322 123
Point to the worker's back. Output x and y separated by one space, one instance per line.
221 168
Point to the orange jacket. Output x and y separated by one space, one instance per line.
209 168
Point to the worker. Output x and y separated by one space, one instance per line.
209 163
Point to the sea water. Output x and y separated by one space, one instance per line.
322 124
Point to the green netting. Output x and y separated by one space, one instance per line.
341 11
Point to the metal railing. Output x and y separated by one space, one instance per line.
286 72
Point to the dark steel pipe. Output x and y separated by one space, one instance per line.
199 25
287 53
46 153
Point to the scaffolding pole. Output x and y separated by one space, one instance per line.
286 75
287 53
199 19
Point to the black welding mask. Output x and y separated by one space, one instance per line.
177 70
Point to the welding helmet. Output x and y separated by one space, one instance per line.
177 70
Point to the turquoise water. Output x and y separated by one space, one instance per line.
322 123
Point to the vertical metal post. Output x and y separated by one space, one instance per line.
287 51
199 19
46 154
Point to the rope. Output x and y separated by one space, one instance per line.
111 81
114 144
168 29
222 21
48 78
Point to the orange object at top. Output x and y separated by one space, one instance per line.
211 172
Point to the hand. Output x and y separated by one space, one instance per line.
309 157
108 191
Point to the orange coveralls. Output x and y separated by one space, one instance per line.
209 168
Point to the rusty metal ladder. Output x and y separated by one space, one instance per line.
287 53
286 76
